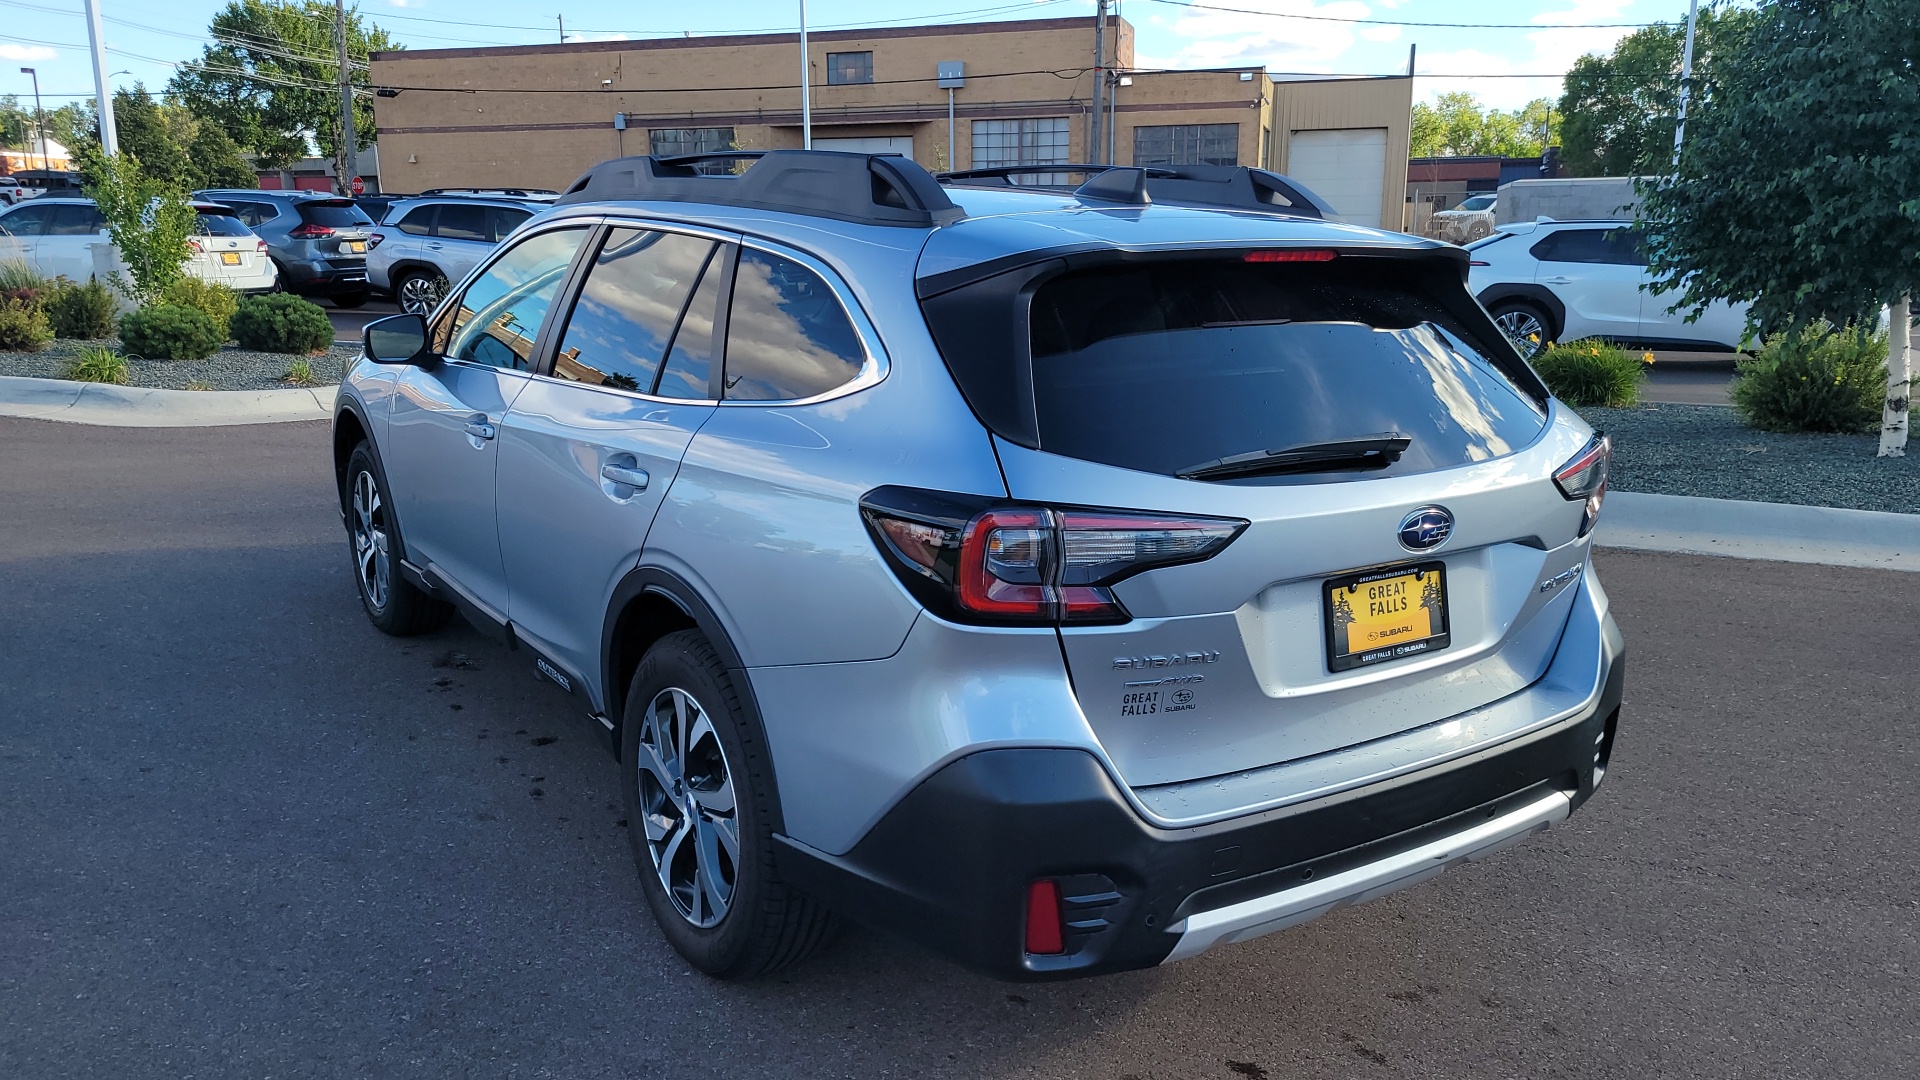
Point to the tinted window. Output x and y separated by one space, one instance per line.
418 221
499 316
689 370
787 336
632 299
252 213
1170 365
221 225
76 219
333 215
27 220
1619 247
506 219
462 222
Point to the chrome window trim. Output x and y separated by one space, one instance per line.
584 222
874 365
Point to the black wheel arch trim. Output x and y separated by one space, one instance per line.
407 266
1538 295
657 581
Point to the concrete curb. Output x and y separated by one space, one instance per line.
1783 532
129 406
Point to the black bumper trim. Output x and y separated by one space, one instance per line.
948 867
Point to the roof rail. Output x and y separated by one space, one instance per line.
506 192
866 189
1237 186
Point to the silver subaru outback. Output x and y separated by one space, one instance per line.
1067 578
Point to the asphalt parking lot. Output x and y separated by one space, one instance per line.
245 835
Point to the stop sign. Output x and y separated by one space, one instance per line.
359 186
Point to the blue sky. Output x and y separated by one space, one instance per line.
1505 67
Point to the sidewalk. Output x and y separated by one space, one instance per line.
129 406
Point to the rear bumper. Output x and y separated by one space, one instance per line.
327 277
950 864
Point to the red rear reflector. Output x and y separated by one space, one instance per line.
1044 937
1289 255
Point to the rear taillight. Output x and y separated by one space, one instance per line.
310 231
969 560
194 246
373 241
260 246
1584 478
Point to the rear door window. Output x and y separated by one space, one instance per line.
76 219
462 222
506 219
787 335
1164 366
635 293
1615 247
26 221
418 222
253 213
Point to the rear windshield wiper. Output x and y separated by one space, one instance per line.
1359 452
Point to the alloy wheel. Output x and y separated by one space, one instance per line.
687 798
370 546
419 295
1524 330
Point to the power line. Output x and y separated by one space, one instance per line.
1196 4
753 30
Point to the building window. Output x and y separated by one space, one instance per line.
1187 144
849 68
1043 141
671 142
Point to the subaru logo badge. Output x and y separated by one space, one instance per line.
1426 528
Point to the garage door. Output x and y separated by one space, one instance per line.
872 144
1346 167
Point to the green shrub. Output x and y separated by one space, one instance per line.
97 363
32 297
1815 378
300 373
210 298
170 332
80 311
1591 372
23 327
18 273
282 323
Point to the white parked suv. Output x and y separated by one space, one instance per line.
1545 281
56 235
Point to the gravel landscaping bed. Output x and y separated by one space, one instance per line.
1704 450
232 368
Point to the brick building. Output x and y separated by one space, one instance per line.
539 115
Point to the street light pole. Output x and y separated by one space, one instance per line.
806 85
346 163
1686 79
103 94
39 118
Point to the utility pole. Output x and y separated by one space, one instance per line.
563 28
1686 79
109 135
1099 77
39 118
345 159
806 85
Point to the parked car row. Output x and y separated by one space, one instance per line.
57 234
318 242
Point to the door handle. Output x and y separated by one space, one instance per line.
480 429
1557 280
435 245
627 475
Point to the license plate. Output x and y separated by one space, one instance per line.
356 247
229 258
1382 615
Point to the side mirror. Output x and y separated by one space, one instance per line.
399 339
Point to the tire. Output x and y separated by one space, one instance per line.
392 603
696 775
349 300
1529 328
418 292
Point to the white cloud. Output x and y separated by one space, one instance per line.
1380 33
1235 39
26 52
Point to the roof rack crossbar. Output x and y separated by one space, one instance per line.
1240 187
865 189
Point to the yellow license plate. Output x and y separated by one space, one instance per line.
1381 615
356 247
229 258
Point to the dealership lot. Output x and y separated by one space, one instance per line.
250 836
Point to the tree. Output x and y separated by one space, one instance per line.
1795 188
148 218
1455 125
271 78
1620 108
16 123
144 132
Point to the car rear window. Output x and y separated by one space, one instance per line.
1164 365
333 215
216 224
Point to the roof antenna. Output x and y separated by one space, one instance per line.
1123 185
